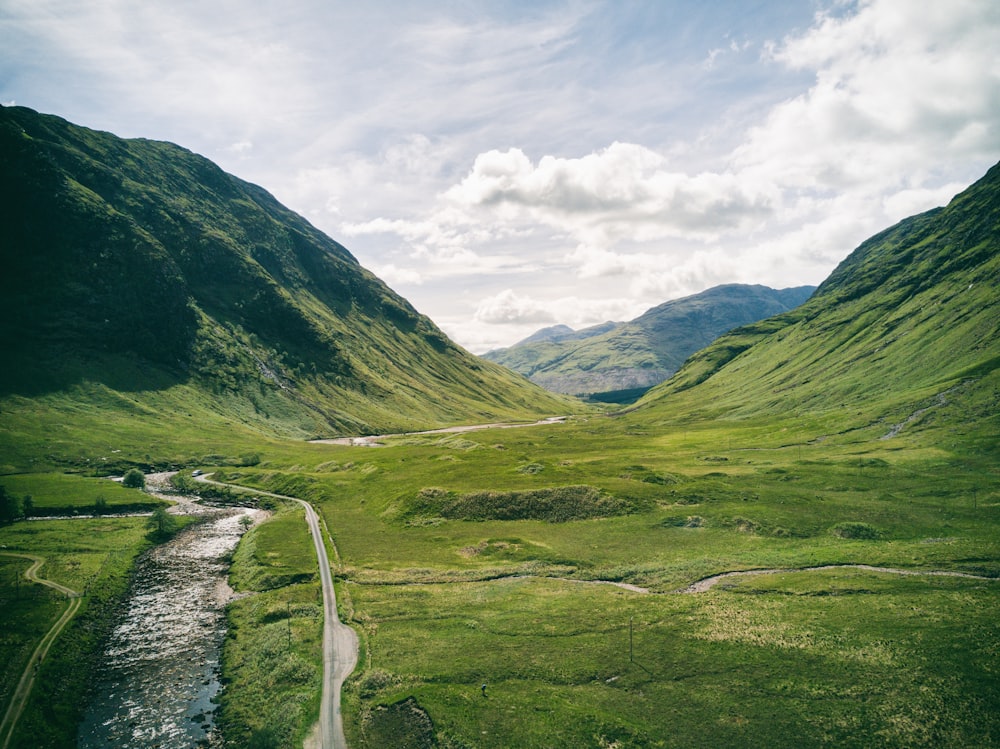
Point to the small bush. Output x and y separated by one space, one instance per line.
745 525
401 724
645 475
374 681
857 531
134 479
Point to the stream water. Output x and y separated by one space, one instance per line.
160 669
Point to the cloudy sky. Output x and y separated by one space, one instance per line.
510 164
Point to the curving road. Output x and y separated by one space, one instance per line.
27 681
340 642
374 440
700 586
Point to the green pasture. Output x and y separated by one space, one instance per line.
93 429
29 610
446 601
69 493
92 556
272 655
840 658
837 658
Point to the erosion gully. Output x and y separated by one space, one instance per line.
159 671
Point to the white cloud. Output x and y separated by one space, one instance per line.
241 148
508 307
396 276
897 206
623 191
901 89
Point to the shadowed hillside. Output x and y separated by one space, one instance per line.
136 266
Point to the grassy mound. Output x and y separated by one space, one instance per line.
554 504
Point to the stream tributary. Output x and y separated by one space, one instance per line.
160 669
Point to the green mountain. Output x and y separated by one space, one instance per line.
138 276
647 350
903 335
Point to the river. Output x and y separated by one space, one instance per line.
160 669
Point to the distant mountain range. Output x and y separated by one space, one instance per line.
142 268
632 356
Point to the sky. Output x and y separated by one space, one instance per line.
507 165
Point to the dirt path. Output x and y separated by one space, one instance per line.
374 440
710 582
340 642
27 681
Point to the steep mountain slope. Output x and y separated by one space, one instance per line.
137 267
648 349
905 333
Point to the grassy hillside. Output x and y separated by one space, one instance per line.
645 351
904 334
846 452
140 278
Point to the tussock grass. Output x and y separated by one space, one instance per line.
552 504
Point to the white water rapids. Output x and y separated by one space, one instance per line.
160 669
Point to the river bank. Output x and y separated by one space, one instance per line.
159 675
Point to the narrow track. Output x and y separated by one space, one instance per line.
340 642
27 680
700 586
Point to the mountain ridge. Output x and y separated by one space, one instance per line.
644 351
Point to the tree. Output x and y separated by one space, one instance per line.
161 523
10 506
134 479
100 506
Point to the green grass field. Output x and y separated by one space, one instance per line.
91 556
446 602
845 657
70 494
272 658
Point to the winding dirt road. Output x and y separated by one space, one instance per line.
707 583
340 642
375 440
27 681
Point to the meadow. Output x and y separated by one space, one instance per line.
839 657
92 556
73 494
548 563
